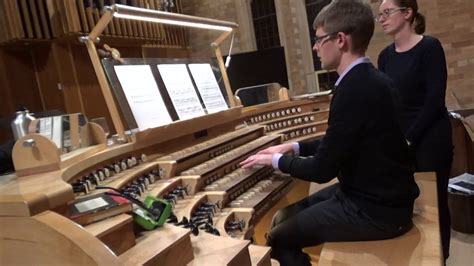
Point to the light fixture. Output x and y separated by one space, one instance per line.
128 12
135 13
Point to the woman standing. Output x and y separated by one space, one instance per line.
417 65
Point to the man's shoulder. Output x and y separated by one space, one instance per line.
365 75
365 84
380 77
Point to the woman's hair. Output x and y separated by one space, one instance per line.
418 20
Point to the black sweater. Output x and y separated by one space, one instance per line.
420 76
363 146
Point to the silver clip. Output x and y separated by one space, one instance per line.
29 143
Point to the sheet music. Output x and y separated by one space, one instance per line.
181 90
208 88
143 96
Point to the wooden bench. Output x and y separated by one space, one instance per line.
420 246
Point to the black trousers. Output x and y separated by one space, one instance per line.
436 155
326 216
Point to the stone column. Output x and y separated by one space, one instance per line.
293 29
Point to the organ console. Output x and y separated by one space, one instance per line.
192 164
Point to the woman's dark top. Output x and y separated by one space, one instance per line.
420 75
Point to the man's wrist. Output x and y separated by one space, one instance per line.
296 148
275 159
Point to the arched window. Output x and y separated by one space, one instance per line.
265 24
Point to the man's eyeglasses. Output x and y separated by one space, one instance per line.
387 12
321 39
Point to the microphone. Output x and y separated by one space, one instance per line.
227 61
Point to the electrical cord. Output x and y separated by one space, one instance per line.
133 200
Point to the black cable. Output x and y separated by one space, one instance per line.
140 204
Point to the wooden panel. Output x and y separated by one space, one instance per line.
93 102
43 156
299 191
182 30
26 19
14 5
66 66
209 249
54 18
159 52
48 78
69 84
117 24
41 240
27 196
130 52
44 19
35 15
260 255
21 80
3 28
82 16
72 13
7 106
167 245
116 232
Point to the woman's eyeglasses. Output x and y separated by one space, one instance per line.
387 12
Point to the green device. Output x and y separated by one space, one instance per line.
150 214
154 215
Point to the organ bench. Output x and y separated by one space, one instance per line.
419 246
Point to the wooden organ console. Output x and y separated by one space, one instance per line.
193 164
